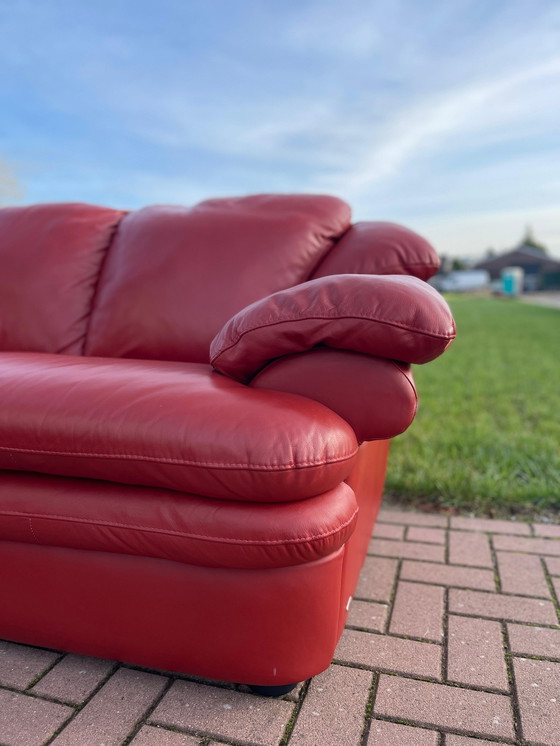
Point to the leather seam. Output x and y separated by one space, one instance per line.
414 392
33 531
182 534
404 265
425 332
186 462
97 286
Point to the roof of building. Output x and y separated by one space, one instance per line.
521 256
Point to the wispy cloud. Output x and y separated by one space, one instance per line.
427 126
412 111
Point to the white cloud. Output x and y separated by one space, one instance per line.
411 111
324 29
470 234
426 126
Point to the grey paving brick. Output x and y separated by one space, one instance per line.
553 565
333 711
441 706
410 549
389 653
530 641
490 525
418 611
453 740
109 717
389 515
383 733
20 664
377 579
547 529
499 606
428 535
522 573
153 735
223 713
74 678
466 548
368 615
546 547
538 693
388 531
463 577
476 653
28 721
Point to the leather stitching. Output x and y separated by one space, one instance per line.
414 392
183 534
404 265
33 531
425 332
185 462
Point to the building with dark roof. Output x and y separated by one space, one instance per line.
541 271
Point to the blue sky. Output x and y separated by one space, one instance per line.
440 114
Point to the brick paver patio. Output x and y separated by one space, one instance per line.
453 639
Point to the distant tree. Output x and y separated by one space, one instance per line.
490 253
529 240
457 264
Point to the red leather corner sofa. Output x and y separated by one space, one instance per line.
195 412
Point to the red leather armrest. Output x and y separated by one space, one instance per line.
376 397
390 316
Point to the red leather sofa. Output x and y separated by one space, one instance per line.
195 412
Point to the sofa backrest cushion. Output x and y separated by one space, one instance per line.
174 276
50 257
377 248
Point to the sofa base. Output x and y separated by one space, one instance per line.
273 691
264 627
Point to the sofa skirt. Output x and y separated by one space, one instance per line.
270 626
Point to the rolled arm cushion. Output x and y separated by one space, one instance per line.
390 316
377 248
377 397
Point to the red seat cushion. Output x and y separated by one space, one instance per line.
150 522
164 424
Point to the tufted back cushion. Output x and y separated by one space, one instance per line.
50 259
174 276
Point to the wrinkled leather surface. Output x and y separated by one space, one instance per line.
50 256
174 425
375 248
106 517
174 276
390 316
376 396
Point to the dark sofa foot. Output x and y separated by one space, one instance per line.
272 691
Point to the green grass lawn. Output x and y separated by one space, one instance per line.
487 435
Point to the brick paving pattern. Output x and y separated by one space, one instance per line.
453 639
